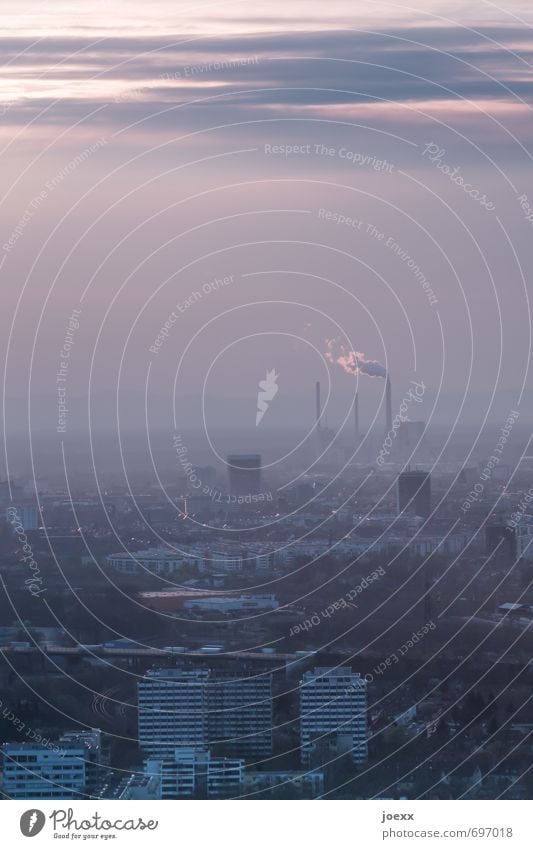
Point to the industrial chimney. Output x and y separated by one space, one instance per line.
319 434
388 405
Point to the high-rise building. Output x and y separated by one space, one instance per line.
244 474
240 715
333 714
172 710
414 493
193 708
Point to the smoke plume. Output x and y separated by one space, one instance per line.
353 362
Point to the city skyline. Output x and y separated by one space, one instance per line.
266 522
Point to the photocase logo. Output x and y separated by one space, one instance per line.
268 389
32 822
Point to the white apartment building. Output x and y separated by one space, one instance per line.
194 709
333 713
33 771
172 710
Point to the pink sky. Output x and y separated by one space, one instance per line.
150 123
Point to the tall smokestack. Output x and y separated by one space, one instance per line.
388 404
318 434
356 418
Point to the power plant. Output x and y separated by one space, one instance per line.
356 363
322 430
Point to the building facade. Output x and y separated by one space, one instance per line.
193 708
192 772
66 769
333 714
172 710
240 715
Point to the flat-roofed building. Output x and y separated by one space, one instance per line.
192 772
333 713
194 708
64 769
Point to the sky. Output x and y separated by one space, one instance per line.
213 190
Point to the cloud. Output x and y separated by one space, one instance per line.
178 83
400 64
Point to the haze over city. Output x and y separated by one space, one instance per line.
265 480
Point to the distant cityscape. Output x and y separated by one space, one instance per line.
266 466
313 645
